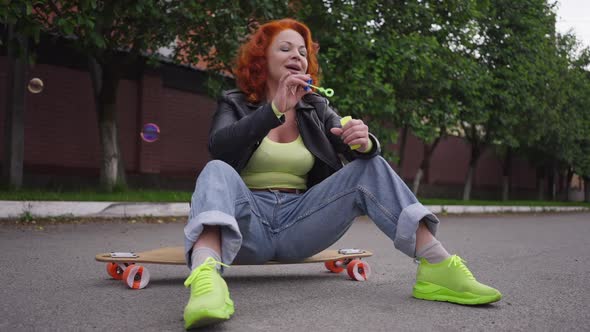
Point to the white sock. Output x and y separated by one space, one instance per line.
433 252
200 254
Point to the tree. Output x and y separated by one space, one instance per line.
448 27
559 148
117 34
516 38
573 126
17 27
12 171
350 61
390 63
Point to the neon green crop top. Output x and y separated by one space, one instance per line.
278 165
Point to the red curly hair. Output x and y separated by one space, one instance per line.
251 70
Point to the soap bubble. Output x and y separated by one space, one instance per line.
150 132
35 85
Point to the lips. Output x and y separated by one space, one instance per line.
293 68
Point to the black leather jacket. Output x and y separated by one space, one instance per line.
239 126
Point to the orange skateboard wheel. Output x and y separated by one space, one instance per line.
359 270
335 266
115 270
136 276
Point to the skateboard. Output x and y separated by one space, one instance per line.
125 265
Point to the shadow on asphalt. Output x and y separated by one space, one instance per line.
286 278
160 282
235 280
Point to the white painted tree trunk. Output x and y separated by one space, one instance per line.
505 187
468 183
105 84
110 154
417 180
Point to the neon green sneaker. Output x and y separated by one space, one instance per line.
451 281
209 302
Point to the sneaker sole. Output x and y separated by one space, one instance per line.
432 292
210 317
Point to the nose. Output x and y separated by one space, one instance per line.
297 56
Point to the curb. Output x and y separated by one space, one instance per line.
16 209
475 209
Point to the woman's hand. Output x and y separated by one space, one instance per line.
354 132
290 90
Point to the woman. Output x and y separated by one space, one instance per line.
277 188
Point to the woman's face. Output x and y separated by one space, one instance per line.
286 53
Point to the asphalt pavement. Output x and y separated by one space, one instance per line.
540 262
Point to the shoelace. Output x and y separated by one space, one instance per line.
460 263
203 276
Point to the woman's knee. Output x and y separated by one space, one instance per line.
217 169
379 161
374 164
218 166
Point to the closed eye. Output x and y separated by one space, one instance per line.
286 47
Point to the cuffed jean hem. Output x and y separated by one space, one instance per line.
231 237
407 225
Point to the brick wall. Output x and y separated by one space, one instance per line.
61 135
448 169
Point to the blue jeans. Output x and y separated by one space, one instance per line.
257 226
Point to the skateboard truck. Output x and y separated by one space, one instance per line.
351 251
123 255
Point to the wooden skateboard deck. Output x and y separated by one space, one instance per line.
175 256
125 265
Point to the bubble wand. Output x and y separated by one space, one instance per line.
326 91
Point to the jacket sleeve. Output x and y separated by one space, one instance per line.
232 136
332 119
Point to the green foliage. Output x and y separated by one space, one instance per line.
26 216
492 71
193 30
568 138
394 64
